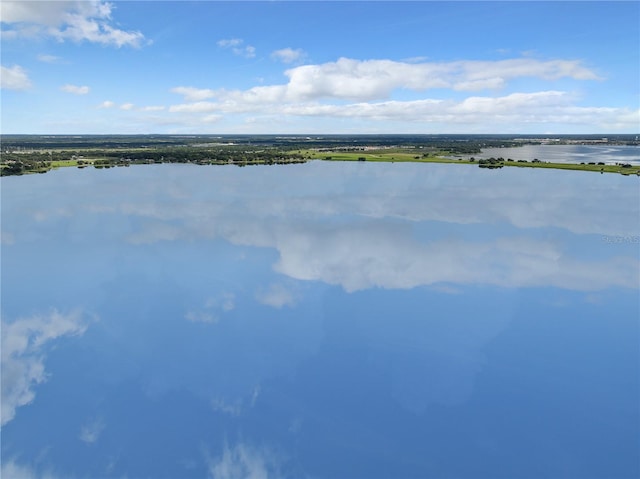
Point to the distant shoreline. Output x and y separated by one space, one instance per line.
632 170
39 154
493 163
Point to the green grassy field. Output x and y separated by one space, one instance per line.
63 163
411 156
85 161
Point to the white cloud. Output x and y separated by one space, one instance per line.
484 84
197 107
44 13
288 55
376 79
23 352
276 295
244 461
91 431
67 20
130 106
236 45
75 89
194 94
349 79
14 78
229 42
152 108
212 118
542 107
357 89
49 58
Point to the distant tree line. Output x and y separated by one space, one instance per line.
22 166
17 163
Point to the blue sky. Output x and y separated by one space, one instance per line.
320 67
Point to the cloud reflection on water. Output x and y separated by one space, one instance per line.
340 308
24 343
359 240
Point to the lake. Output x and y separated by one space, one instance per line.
609 154
328 320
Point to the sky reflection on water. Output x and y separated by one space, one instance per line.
609 154
320 320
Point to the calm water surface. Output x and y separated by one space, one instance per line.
326 320
568 153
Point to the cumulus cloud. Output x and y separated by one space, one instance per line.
363 90
197 107
236 45
106 104
194 94
47 13
542 107
14 78
67 20
244 461
375 79
24 343
75 89
126 106
212 118
288 55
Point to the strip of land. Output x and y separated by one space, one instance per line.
38 154
490 163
